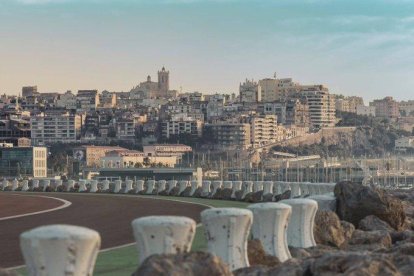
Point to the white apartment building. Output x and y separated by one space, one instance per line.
250 92
167 150
277 89
87 100
321 105
365 110
181 125
404 143
407 107
348 104
66 100
264 130
55 128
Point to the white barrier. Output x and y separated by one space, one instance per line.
226 230
227 184
94 186
300 228
304 188
171 184
325 202
15 185
182 184
194 187
117 186
270 223
268 187
69 185
150 187
216 185
295 188
25 185
60 250
139 186
161 185
105 185
285 187
45 184
257 186
35 183
4 184
57 183
206 188
163 235
128 186
82 185
247 188
237 186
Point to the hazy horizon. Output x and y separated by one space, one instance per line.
361 48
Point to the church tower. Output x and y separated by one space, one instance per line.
163 82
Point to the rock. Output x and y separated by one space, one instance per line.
404 263
256 270
292 267
257 255
345 263
328 229
224 194
186 192
348 229
372 223
193 264
198 192
299 253
164 192
239 195
355 202
285 195
402 249
174 191
5 272
369 240
268 197
404 236
254 197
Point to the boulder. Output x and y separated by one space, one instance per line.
268 197
292 267
174 191
285 195
254 197
198 192
348 229
355 202
257 255
346 263
369 240
186 192
372 223
193 264
239 195
328 229
255 270
223 193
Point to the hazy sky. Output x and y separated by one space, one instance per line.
355 47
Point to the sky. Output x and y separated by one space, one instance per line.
355 47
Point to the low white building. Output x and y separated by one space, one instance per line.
365 110
404 143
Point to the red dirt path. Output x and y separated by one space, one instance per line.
12 205
110 215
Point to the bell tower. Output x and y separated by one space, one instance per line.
163 81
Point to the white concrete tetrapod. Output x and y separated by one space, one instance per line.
150 187
161 185
304 189
206 188
227 184
326 202
182 185
82 185
277 188
194 187
268 187
128 185
247 188
45 184
226 231
329 188
25 185
171 184
58 183
300 229
105 185
163 235
117 186
60 250
70 185
216 185
285 187
295 188
35 183
270 225
257 186
237 186
94 186
15 185
4 184
139 186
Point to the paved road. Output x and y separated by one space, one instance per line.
110 215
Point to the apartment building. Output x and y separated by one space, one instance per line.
404 143
230 135
365 110
348 104
87 100
263 130
321 105
67 100
386 108
23 162
250 92
407 107
297 113
49 128
167 150
90 156
181 124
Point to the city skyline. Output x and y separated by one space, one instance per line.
209 46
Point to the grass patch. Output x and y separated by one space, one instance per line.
124 261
